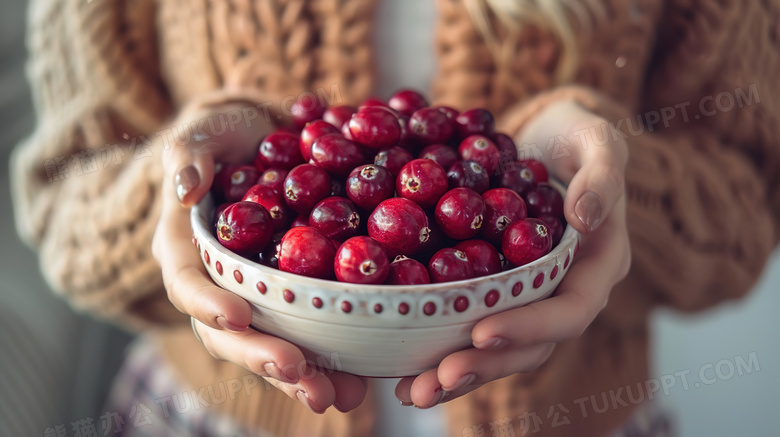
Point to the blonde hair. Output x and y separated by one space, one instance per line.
550 15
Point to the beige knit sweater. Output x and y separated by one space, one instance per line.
702 186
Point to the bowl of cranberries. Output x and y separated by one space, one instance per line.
375 237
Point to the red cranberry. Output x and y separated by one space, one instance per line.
219 210
506 147
502 207
271 201
407 101
361 260
269 256
222 173
368 185
280 150
475 122
273 178
300 220
306 109
460 213
305 251
429 125
526 241
336 154
441 154
483 256
520 180
310 133
451 113
544 200
345 131
393 159
422 181
304 186
406 271
245 228
375 127
407 139
373 102
336 218
448 265
481 150
241 179
338 116
555 226
400 225
436 240
468 174
538 169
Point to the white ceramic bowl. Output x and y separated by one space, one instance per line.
375 330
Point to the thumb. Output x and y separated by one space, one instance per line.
592 193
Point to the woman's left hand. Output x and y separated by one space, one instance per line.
522 339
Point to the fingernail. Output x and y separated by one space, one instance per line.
272 370
589 209
303 397
339 408
492 343
407 404
462 382
225 323
186 179
438 397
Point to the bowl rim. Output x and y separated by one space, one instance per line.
199 226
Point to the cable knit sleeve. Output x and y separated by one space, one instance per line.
702 188
86 182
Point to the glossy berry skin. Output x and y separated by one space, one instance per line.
219 209
310 133
393 159
538 169
422 181
468 174
305 251
273 178
373 102
269 256
519 179
300 220
240 180
441 154
336 217
429 126
544 200
222 173
305 186
555 226
245 228
506 147
406 271
483 256
280 150
475 122
481 150
273 202
451 113
526 241
336 154
338 116
502 208
406 102
361 260
375 127
400 225
460 213
449 265
368 185
306 109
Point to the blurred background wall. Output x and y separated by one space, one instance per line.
718 371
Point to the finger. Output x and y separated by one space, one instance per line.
403 390
426 390
350 390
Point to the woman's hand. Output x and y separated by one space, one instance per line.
222 318
522 339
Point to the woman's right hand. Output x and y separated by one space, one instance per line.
222 318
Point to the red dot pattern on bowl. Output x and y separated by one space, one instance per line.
288 295
238 276
461 304
378 308
261 287
346 307
539 280
429 308
554 272
219 268
194 241
206 257
317 302
577 247
566 263
517 289
403 308
491 298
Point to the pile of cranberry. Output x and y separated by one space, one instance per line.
388 193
